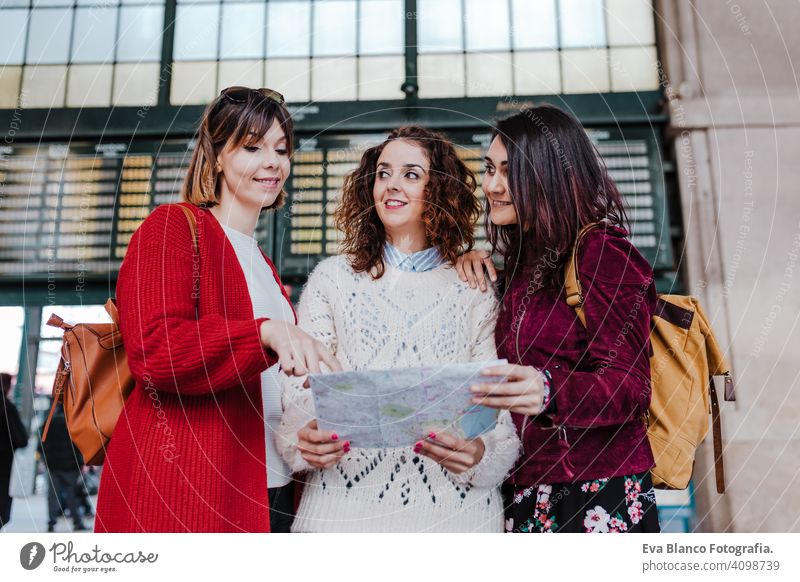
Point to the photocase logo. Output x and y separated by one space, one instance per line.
31 555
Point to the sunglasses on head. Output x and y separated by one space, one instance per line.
243 94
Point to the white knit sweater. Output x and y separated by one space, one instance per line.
399 321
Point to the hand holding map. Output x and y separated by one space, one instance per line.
395 408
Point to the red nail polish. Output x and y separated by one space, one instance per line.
432 435
334 437
346 447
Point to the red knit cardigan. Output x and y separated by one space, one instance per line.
187 454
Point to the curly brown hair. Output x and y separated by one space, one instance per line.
451 205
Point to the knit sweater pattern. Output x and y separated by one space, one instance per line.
401 320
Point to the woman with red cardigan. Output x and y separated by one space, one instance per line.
188 452
577 392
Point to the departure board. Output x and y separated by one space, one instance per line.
69 210
306 232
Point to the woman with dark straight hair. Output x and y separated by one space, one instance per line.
577 391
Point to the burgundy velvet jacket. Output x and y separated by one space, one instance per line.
600 373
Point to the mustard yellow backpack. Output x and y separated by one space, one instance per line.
685 358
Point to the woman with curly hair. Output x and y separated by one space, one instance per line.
393 300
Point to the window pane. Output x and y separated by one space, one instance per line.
289 29
582 23
439 26
381 77
136 84
441 76
381 27
585 71
488 74
140 29
13 26
335 28
630 22
247 73
537 73
95 31
487 26
43 87
194 83
89 86
533 24
38 3
10 78
11 340
633 68
334 80
48 38
290 77
196 32
242 31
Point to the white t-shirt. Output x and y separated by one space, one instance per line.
268 301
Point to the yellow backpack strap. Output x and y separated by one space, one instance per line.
572 283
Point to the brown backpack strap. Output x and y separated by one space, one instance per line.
56 321
113 312
58 393
719 467
572 282
192 224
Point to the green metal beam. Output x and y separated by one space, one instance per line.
163 121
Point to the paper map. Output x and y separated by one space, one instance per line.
396 408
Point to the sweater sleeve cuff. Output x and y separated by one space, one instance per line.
501 449
272 357
549 406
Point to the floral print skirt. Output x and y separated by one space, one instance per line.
612 505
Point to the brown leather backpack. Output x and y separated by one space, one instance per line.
685 358
93 380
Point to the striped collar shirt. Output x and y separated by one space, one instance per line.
418 262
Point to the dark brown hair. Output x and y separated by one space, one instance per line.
558 184
239 123
5 383
451 206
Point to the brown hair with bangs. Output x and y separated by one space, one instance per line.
451 205
231 123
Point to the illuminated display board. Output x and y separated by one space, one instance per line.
69 210
305 230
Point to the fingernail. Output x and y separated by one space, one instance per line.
334 437
431 435
346 447
417 447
